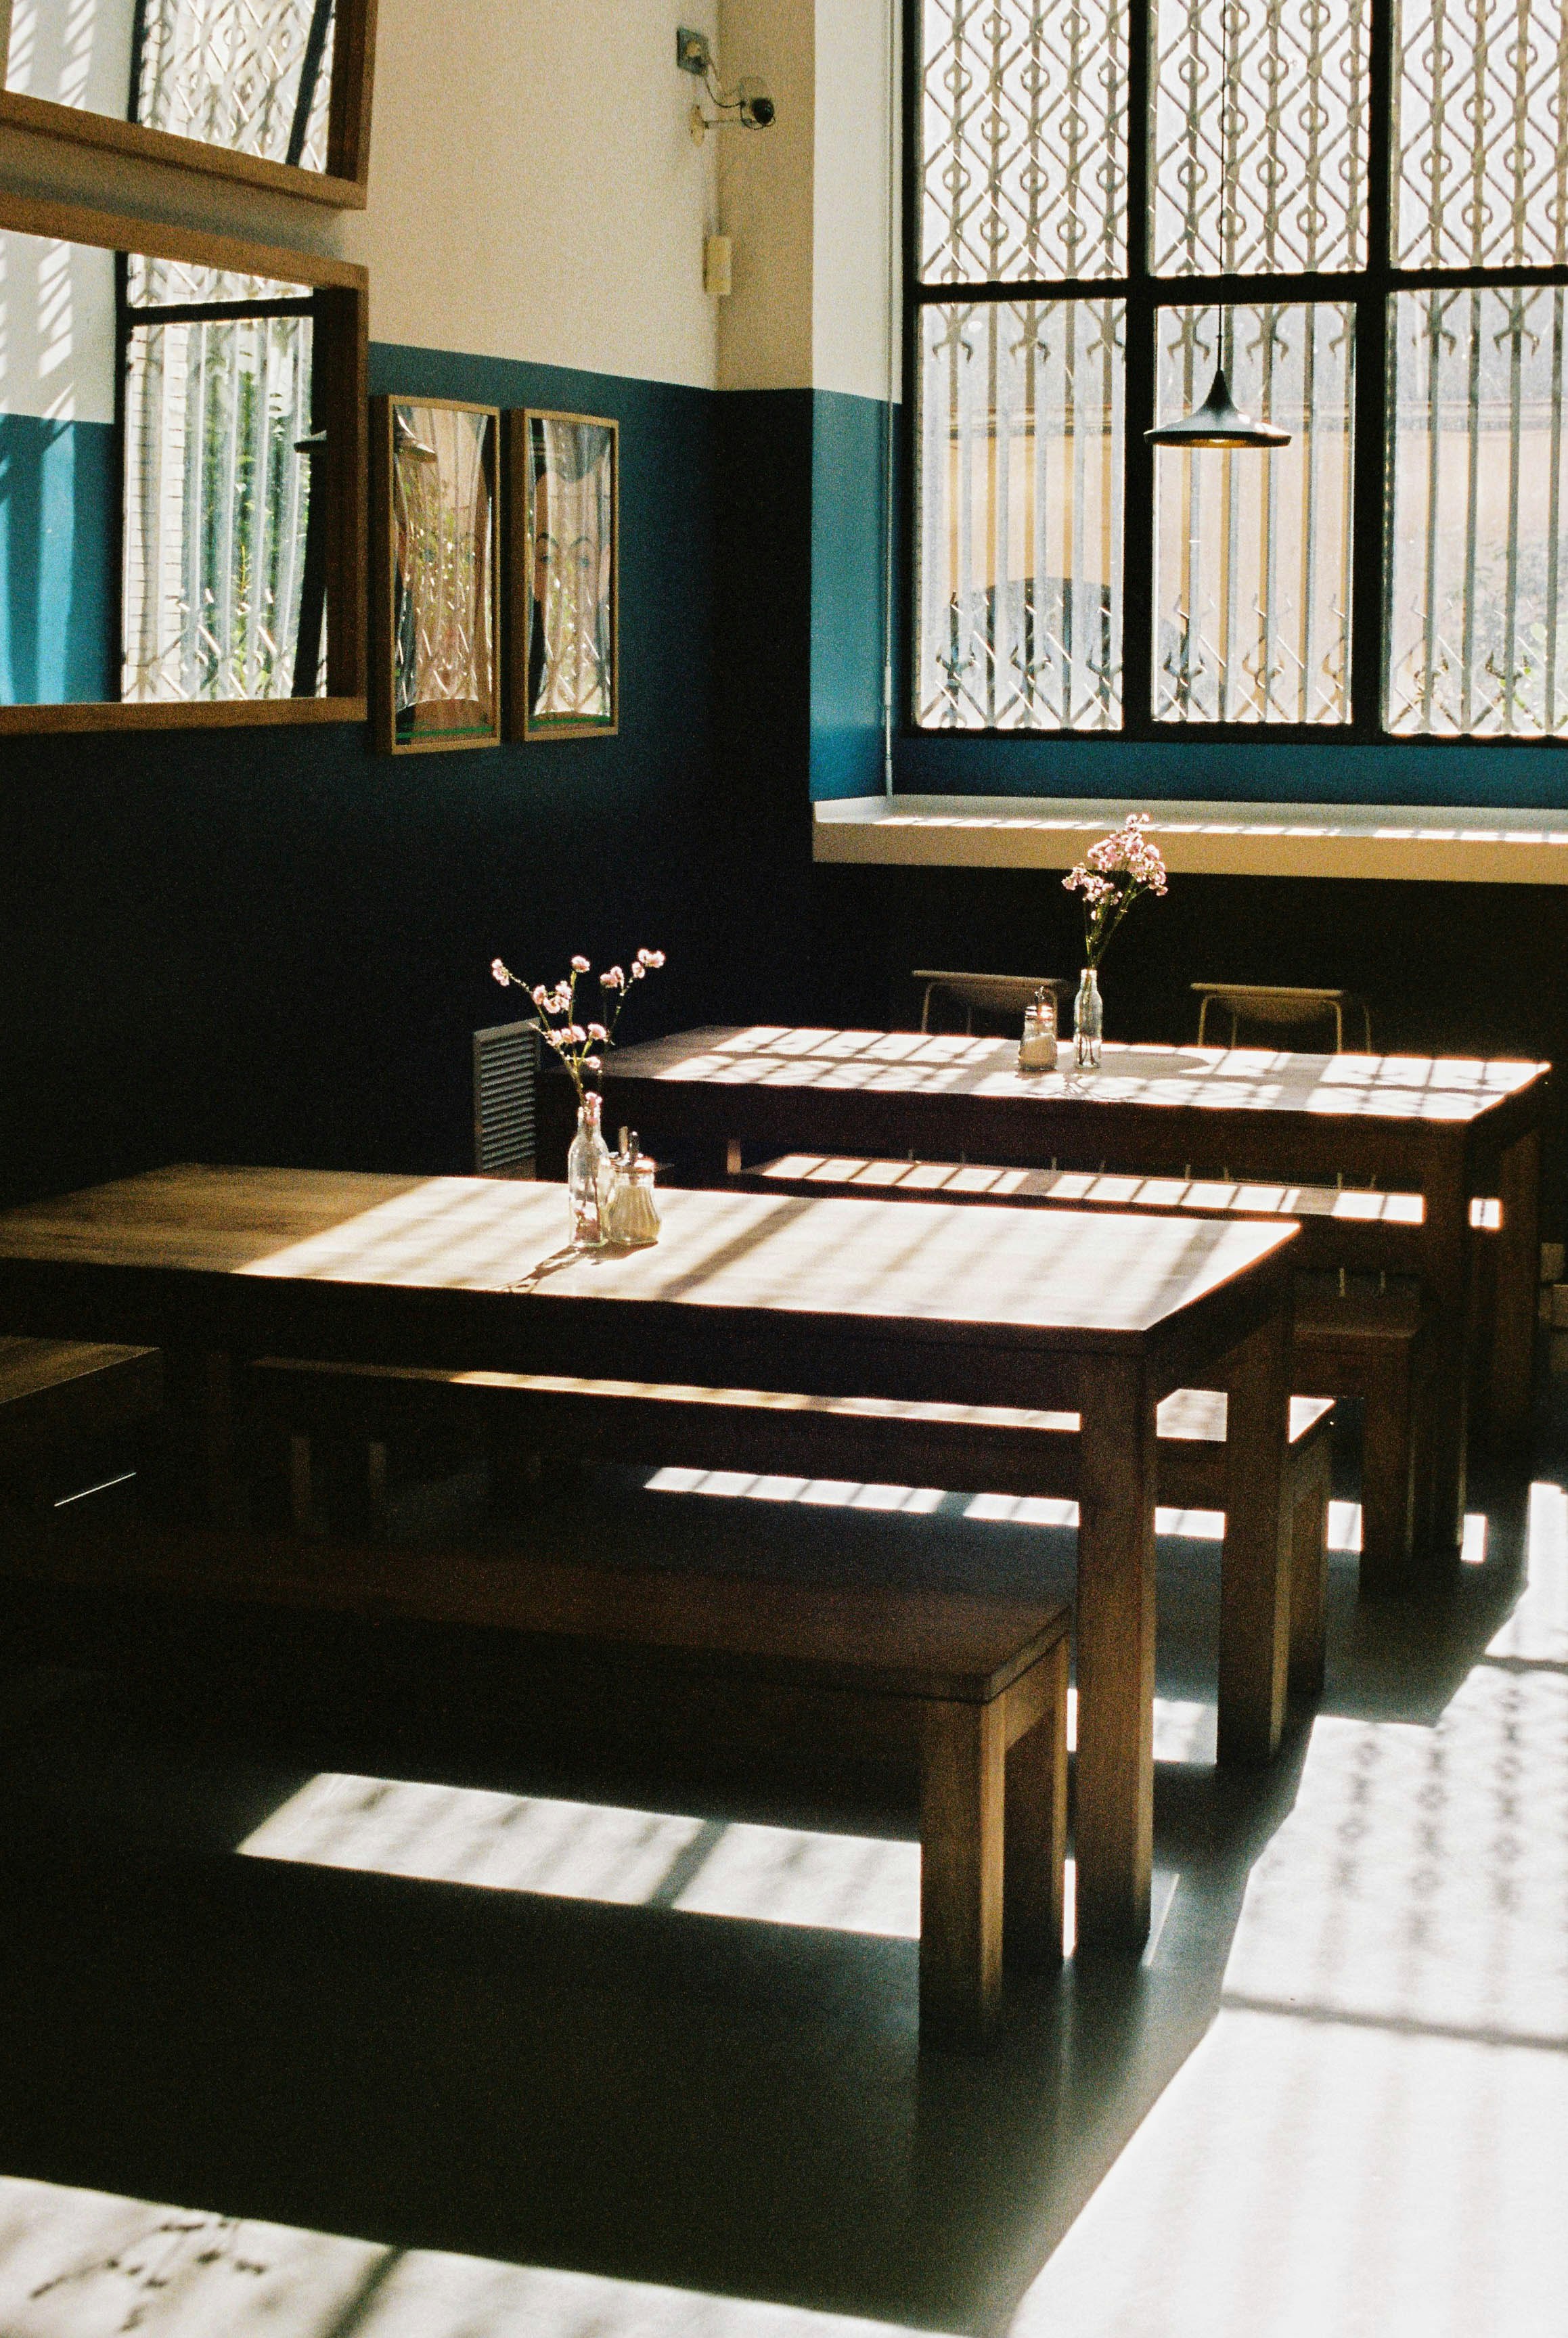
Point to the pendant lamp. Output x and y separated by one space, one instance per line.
1218 423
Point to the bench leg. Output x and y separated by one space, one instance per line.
962 1795
1390 1488
1309 1574
1035 1831
1255 1567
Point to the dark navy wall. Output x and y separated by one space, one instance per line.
273 944
57 539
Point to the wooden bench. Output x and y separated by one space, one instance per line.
967 1695
1363 1327
1371 1336
362 1410
1341 1226
62 1399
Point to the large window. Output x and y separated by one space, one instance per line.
223 582
1361 212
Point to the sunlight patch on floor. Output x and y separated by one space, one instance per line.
590 1850
1381 2100
92 2265
1537 1630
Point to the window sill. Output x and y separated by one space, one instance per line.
1448 845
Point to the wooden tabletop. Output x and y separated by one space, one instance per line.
1240 1079
983 1275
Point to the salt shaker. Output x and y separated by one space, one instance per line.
633 1219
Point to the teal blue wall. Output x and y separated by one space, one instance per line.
57 538
849 457
947 762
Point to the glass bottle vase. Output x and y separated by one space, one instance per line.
588 1175
1088 1021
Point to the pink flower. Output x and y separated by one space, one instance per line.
579 965
613 979
575 1033
593 1063
638 972
500 973
539 994
597 1031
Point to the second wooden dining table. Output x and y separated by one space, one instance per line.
1452 1131
1099 1315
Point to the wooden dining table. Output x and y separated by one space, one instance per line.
1453 1131
1099 1315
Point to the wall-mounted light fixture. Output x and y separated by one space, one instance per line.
1217 422
747 107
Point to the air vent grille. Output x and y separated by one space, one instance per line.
506 1080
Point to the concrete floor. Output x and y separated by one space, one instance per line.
418 2037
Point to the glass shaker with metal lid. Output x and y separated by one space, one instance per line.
632 1217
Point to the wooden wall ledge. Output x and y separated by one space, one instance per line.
1446 844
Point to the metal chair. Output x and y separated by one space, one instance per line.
1263 1002
991 994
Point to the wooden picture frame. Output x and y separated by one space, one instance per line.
408 444
341 309
342 185
539 579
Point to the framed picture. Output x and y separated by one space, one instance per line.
563 476
434 680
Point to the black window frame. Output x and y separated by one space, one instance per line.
1369 291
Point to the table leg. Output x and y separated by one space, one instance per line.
1511 1362
962 1797
1035 1831
194 1473
1446 1255
1255 1578
1115 1807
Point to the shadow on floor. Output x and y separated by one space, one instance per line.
640 2091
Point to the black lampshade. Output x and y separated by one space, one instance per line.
1218 423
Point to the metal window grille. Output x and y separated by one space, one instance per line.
1478 539
1259 136
1021 467
216 388
1252 559
1366 210
255 80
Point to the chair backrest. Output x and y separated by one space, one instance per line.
1281 1004
506 1078
991 994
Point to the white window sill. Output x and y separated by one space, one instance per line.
1494 847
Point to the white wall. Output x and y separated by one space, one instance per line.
56 330
807 202
857 145
77 54
535 192
765 179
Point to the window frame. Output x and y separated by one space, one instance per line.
1369 291
343 185
340 290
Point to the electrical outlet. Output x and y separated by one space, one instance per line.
694 52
